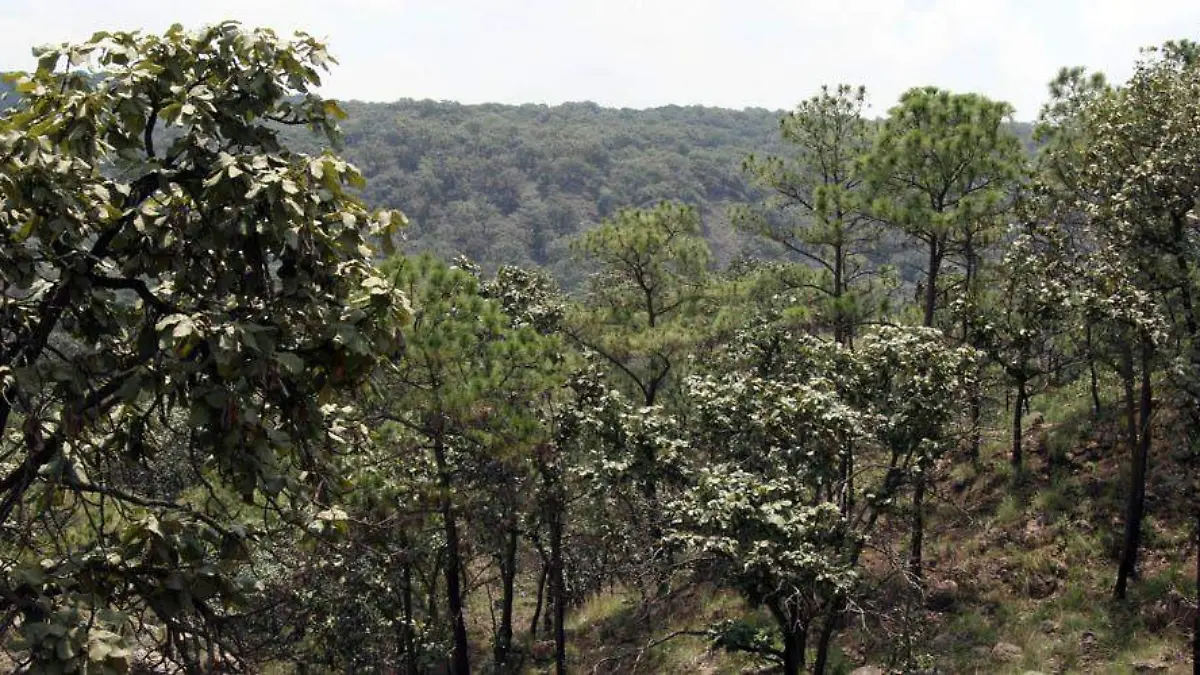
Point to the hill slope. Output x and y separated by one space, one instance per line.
511 184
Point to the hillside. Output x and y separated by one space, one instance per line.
509 184
512 184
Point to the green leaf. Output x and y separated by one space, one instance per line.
292 363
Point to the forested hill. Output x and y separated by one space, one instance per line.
512 184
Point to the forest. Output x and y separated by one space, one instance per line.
513 185
294 386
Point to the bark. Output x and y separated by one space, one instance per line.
935 263
975 403
1018 414
460 658
410 647
915 562
541 596
1095 378
794 639
847 471
1196 614
976 419
558 589
508 573
1135 506
431 606
825 640
916 553
841 332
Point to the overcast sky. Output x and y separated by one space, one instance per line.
643 53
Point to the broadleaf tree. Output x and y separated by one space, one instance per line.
798 447
178 312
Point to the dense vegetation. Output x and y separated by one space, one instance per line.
512 185
240 431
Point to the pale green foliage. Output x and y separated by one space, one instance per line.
1059 127
798 446
1018 316
943 168
178 310
464 358
1136 185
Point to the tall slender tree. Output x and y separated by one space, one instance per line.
461 390
942 168
816 207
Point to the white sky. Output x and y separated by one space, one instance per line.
644 53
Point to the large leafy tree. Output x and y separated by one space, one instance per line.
799 447
180 298
1138 183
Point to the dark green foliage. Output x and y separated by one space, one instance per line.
513 184
177 316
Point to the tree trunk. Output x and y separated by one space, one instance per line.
935 263
558 591
825 640
975 396
1136 504
915 552
976 418
840 329
410 643
1196 614
431 601
794 639
848 480
541 596
460 659
508 573
1018 413
1091 357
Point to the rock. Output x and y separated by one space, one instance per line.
1007 652
1172 610
1151 666
1087 640
1040 586
543 650
868 670
943 595
1048 627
